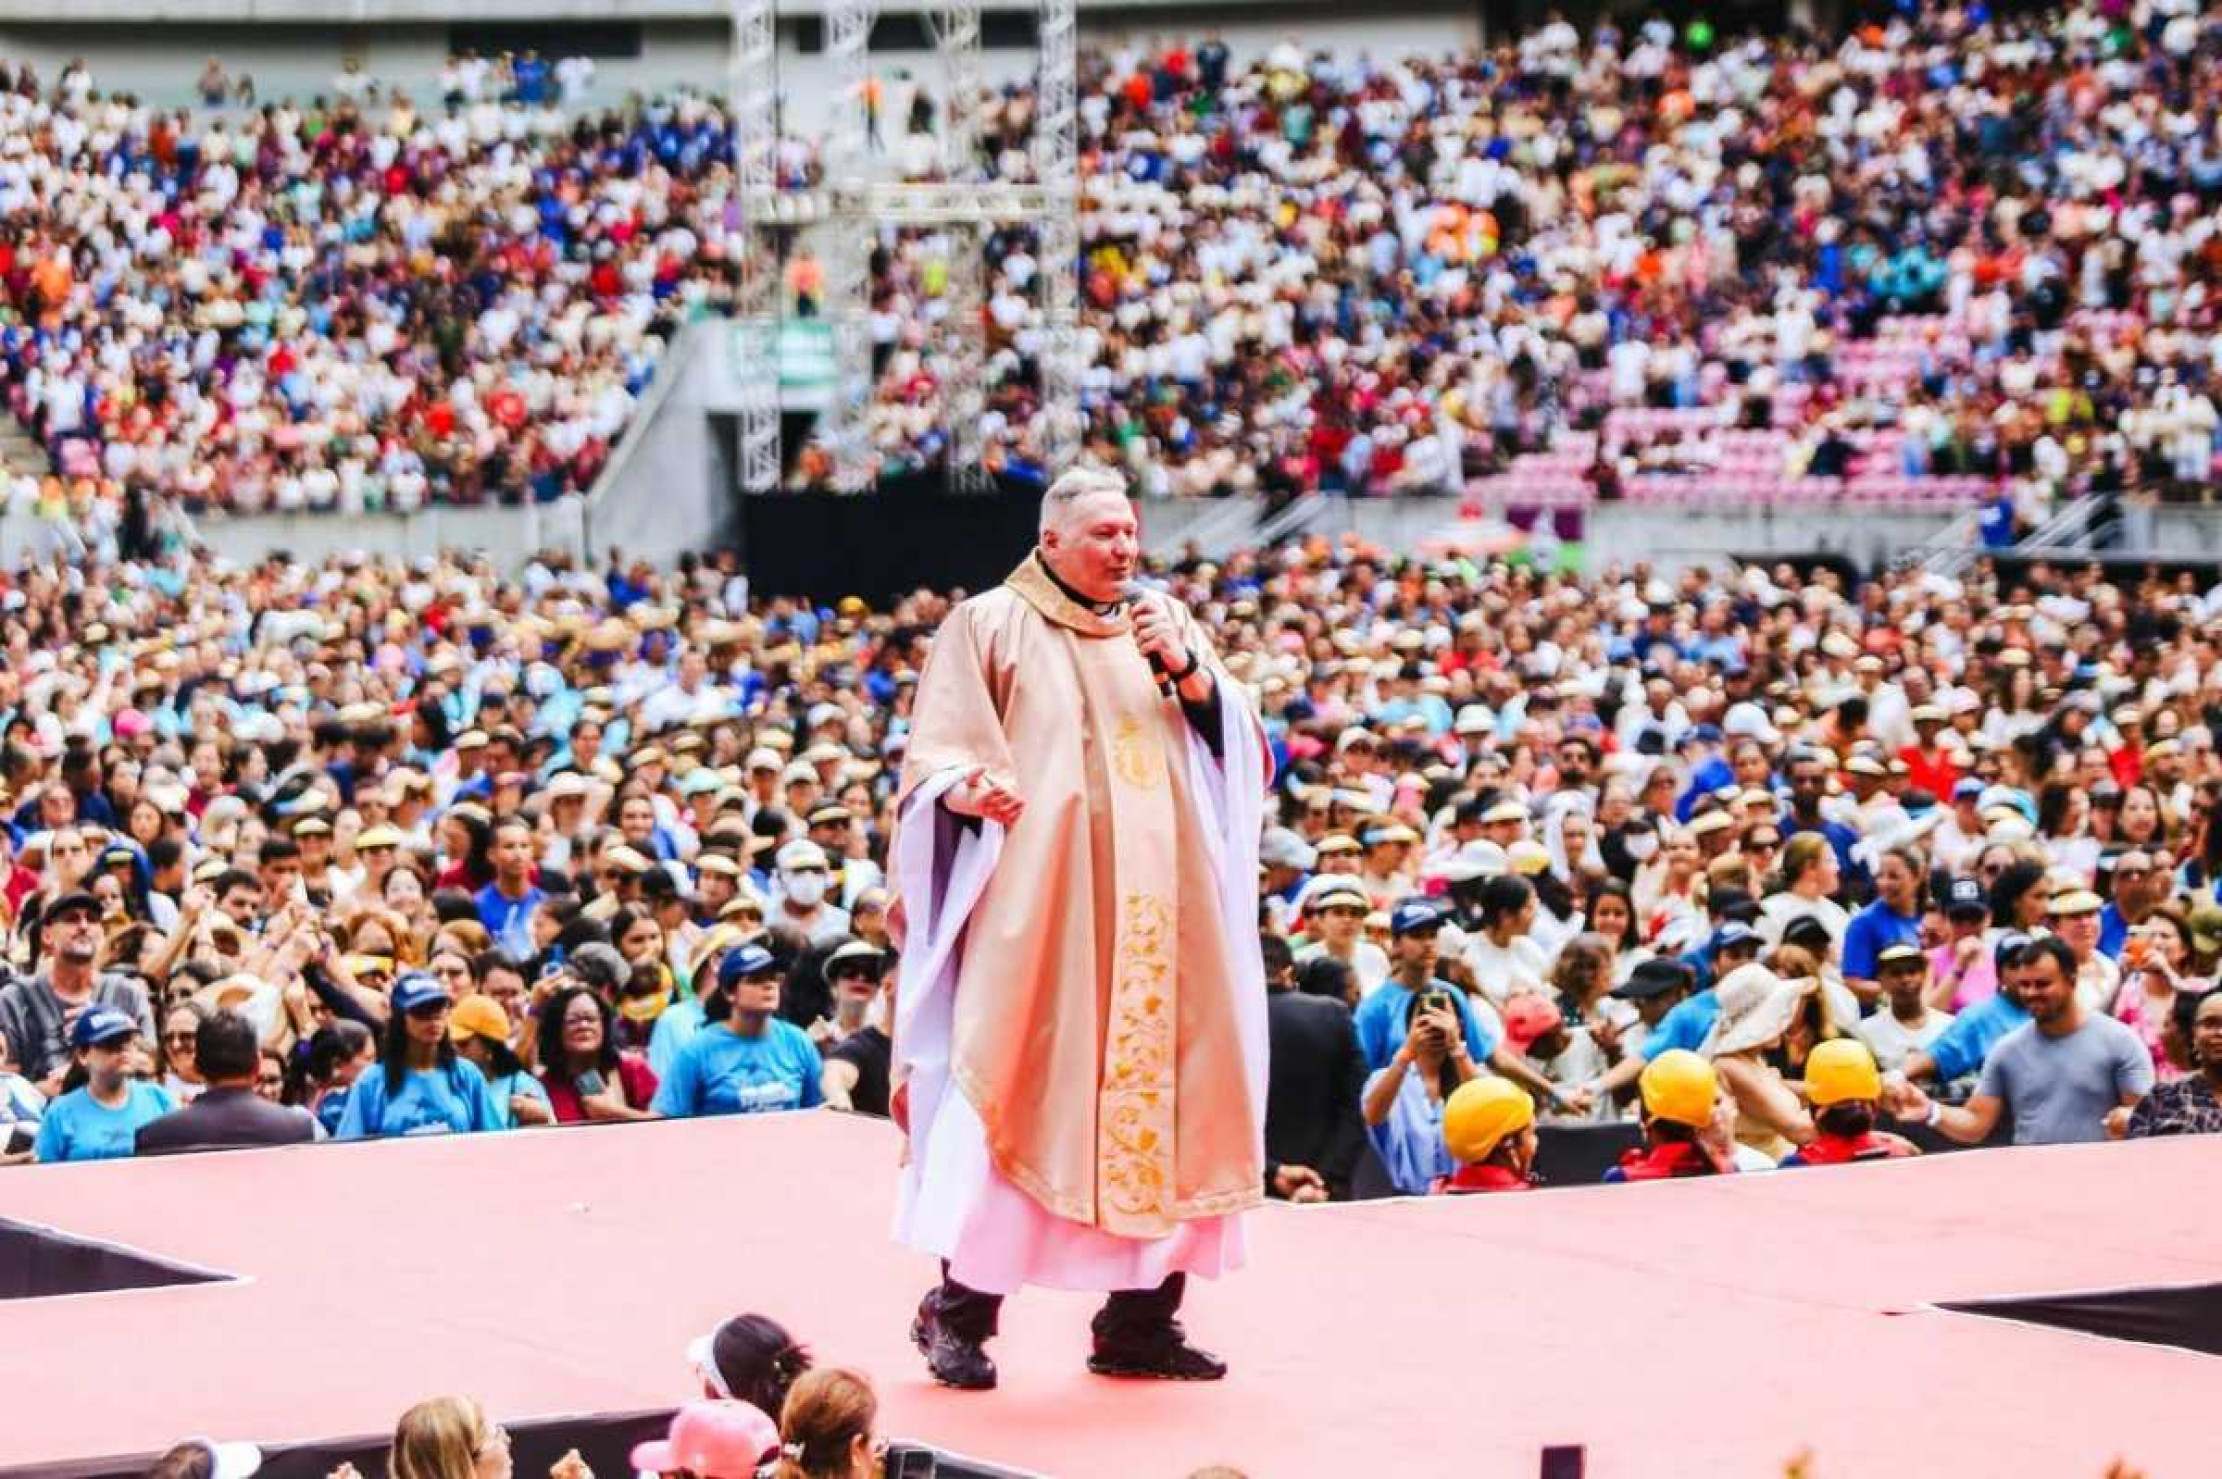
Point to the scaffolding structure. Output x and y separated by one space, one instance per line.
755 84
962 206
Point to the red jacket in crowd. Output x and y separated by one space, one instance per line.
1479 1177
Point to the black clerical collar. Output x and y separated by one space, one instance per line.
1100 608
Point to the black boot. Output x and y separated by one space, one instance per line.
953 1322
1137 1335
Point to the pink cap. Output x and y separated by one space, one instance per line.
711 1440
1529 1017
130 724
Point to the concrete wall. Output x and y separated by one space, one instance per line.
670 487
162 63
1672 539
511 535
660 503
295 51
1405 29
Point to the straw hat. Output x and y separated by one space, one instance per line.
1756 1008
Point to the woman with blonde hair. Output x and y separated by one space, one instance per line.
449 1438
825 1428
380 931
1822 1014
468 935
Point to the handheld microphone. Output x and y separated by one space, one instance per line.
1135 592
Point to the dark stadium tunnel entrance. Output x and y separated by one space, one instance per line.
2186 1316
43 1262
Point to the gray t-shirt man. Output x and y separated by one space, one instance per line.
32 1019
2060 1089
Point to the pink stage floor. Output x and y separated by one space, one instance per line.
1693 1328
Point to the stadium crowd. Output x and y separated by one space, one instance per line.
348 304
1957 249
369 849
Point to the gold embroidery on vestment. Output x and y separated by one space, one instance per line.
1136 757
1135 1151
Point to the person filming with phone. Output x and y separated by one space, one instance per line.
1383 1019
1404 1101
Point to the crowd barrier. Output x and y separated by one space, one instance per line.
605 1440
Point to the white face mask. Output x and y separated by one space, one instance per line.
1642 846
805 888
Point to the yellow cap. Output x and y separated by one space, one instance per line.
1680 1086
1841 1071
478 1015
1481 1113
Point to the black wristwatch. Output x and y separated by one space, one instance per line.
1186 673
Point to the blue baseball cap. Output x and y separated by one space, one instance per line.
101 1025
418 989
743 961
1965 896
1732 934
1415 916
1966 788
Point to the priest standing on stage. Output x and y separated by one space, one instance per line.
1080 1034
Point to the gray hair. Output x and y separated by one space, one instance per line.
1074 485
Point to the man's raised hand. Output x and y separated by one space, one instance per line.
990 798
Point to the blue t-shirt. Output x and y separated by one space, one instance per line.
2113 931
1410 1140
1873 930
1383 1021
1687 1023
511 1085
509 920
1709 776
677 1025
1961 1048
722 1072
78 1127
1841 840
431 1101
20 1102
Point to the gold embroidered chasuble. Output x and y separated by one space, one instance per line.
1094 1032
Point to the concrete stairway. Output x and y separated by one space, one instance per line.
20 452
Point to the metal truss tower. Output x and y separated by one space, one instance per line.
963 346
1057 166
756 302
963 205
